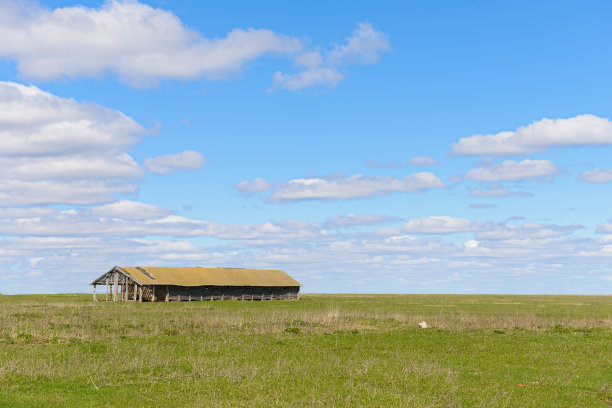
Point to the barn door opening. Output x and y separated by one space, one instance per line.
161 293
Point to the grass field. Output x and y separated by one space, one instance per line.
320 351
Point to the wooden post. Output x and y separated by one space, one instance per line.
116 287
167 293
106 289
153 298
140 294
94 294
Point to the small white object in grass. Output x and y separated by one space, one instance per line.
423 325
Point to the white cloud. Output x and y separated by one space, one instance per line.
480 206
597 176
135 219
423 161
581 130
37 123
504 231
73 241
257 185
511 170
142 45
79 192
439 225
364 46
135 41
604 228
74 167
58 150
357 186
320 76
310 59
170 163
353 220
130 210
496 190
373 165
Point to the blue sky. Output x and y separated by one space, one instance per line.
402 147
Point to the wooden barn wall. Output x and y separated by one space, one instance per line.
185 293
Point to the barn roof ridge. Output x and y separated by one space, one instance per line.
203 276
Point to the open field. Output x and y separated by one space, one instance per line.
351 350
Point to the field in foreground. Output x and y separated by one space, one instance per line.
320 351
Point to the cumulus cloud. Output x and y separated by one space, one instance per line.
439 225
423 161
581 130
135 41
604 228
364 46
80 242
79 192
73 167
130 210
353 220
527 230
257 185
480 206
142 45
373 165
140 220
497 190
597 176
58 150
37 123
511 170
319 76
347 187
171 163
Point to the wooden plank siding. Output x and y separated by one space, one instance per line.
193 293
171 293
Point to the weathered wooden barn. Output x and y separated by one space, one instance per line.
165 284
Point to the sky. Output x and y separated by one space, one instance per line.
362 147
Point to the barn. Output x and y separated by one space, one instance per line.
169 284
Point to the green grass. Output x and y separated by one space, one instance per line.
320 351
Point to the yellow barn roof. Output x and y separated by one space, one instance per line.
179 276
